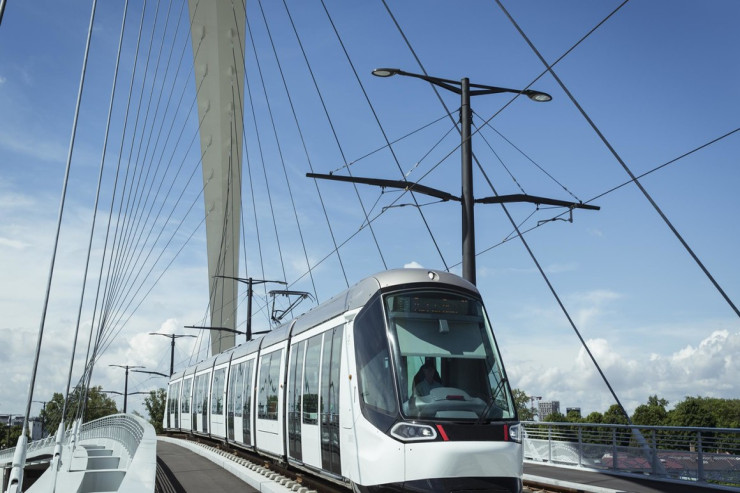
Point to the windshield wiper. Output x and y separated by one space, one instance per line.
488 407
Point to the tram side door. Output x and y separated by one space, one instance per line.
310 431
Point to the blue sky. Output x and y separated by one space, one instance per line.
656 78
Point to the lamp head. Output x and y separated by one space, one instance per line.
540 97
385 72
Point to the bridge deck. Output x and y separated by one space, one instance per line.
189 472
180 469
602 482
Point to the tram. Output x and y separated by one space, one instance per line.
396 384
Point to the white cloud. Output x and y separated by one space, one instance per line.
413 265
711 366
15 244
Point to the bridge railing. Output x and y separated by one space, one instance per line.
125 429
708 455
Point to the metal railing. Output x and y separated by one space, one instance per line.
123 428
707 455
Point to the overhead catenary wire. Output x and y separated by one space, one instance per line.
675 160
498 157
525 155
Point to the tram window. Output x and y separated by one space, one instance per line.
199 394
185 402
236 385
448 363
204 392
217 392
374 366
311 380
247 403
269 385
175 398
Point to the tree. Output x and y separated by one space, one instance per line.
521 401
693 412
555 417
651 414
615 415
98 405
156 403
10 436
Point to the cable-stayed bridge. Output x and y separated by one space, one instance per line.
196 142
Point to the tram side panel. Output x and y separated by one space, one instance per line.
349 409
380 458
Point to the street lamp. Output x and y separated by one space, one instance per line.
125 387
172 353
463 88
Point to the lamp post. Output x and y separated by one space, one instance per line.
463 88
125 387
172 352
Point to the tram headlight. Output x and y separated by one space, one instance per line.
515 433
412 432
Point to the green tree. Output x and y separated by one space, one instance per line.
156 403
693 412
726 412
10 436
651 414
556 417
522 402
98 406
593 434
615 415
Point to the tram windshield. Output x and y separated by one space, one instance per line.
447 363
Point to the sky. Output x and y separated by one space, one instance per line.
653 79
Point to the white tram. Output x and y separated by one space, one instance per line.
396 384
